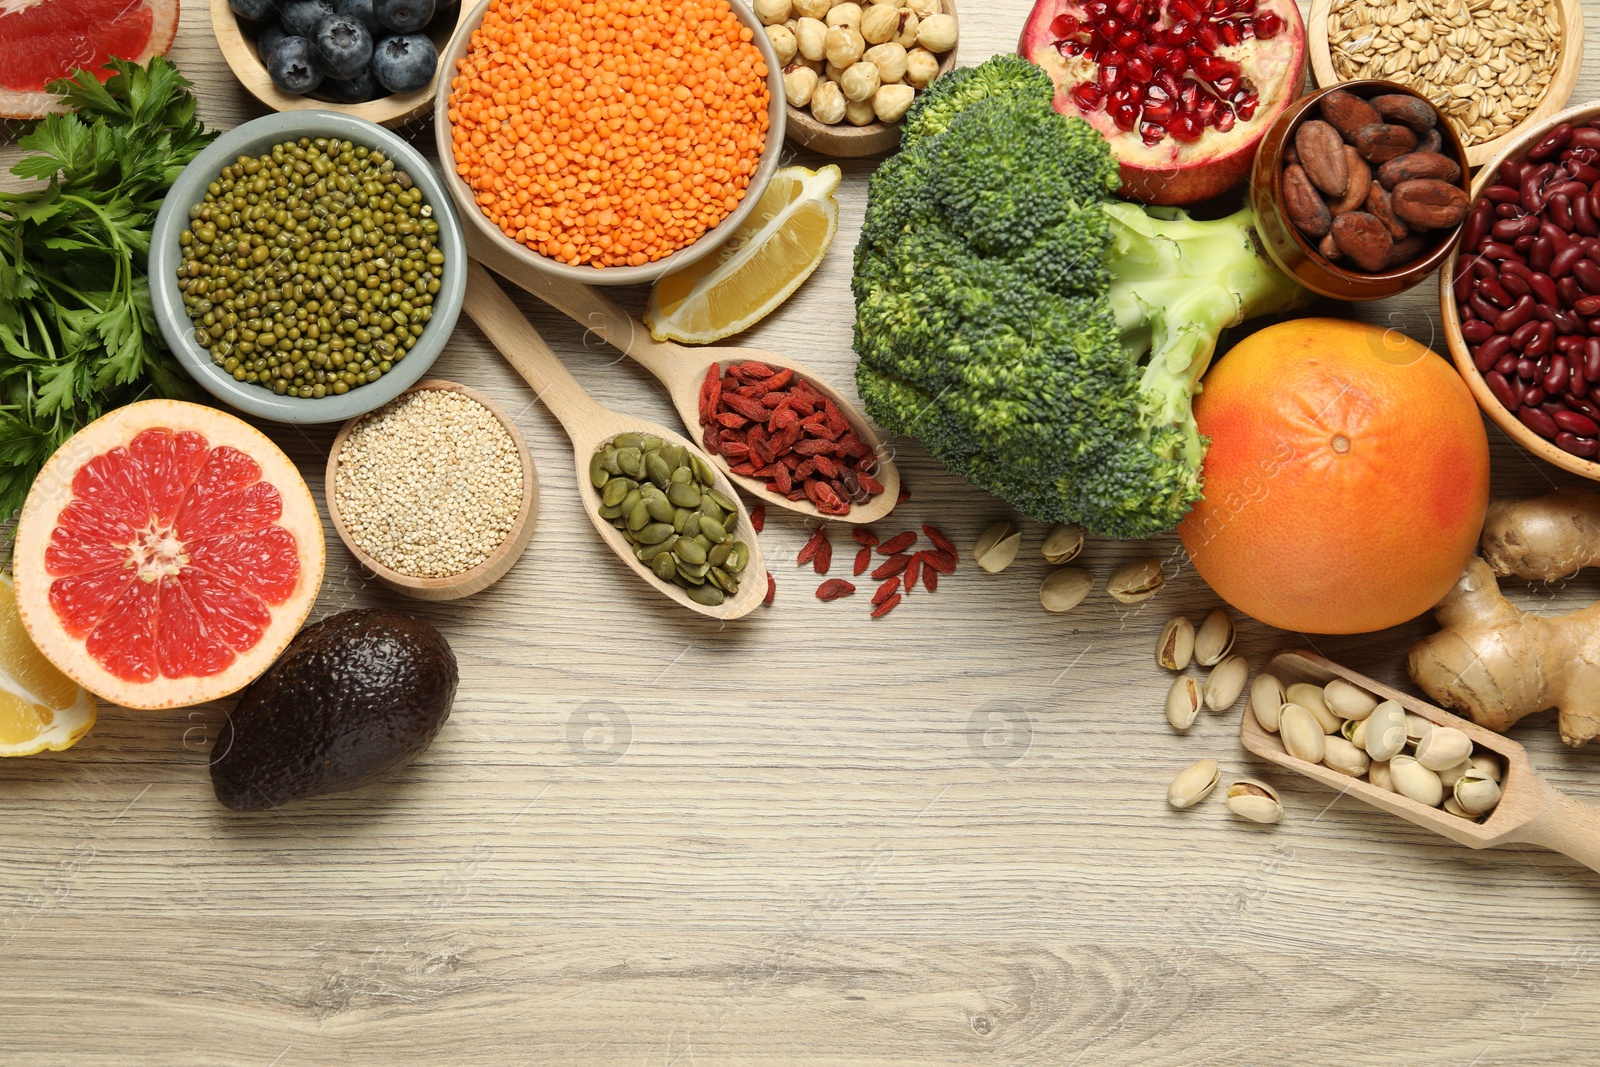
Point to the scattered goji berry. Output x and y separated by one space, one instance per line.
887 606
942 562
912 570
864 536
863 560
892 565
898 543
887 590
834 588
905 494
824 557
758 517
930 579
808 551
772 591
940 541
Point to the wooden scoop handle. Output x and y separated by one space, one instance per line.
1564 825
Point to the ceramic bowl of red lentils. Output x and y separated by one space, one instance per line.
1520 295
608 142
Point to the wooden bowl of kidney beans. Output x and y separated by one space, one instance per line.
1521 291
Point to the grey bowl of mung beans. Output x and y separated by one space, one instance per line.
264 319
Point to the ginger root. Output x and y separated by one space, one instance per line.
1496 663
1545 537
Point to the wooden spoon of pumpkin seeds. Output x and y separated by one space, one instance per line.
592 428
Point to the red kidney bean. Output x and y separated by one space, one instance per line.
1527 369
1578 446
1562 262
1569 291
1543 286
1566 322
1516 285
1508 211
1544 335
1541 255
1584 407
1485 310
1537 421
1511 174
1532 202
1582 218
1555 235
1569 345
1555 379
1482 267
1493 350
1502 389
1503 194
1506 365
1591 360
1572 422
1510 229
1587 306
1476 331
1533 396
1522 245
1566 187
1523 334
1583 172
1585 137
1577 384
1516 266
1594 395
1478 223
1498 250
1519 313
1496 293
1553 142
1560 210
1587 271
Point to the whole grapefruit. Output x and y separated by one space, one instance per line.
1346 481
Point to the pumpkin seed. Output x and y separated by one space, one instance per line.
709 595
684 495
598 475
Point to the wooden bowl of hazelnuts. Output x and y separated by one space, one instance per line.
852 69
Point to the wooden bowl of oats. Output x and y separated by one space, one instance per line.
1493 73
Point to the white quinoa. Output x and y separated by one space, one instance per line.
429 484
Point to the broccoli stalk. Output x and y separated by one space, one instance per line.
1042 339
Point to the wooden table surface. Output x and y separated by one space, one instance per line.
643 838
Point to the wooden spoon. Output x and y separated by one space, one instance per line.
590 426
1531 810
682 370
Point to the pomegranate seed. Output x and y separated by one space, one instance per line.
1109 27
1268 25
1229 32
1224 121
1189 99
1177 61
1126 116
1128 9
1186 127
1070 49
1248 27
1152 133
1207 111
1246 107
1226 85
1065 25
1097 9
1139 70
1128 40
1087 96
1160 112
1183 10
1181 33
1110 76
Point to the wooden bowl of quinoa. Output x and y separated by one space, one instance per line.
435 493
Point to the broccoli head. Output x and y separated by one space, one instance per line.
1042 339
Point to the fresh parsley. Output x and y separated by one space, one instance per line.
77 334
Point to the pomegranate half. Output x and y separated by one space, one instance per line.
166 555
1183 89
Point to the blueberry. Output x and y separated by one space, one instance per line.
293 66
357 90
405 16
300 17
404 64
268 39
254 10
361 11
343 46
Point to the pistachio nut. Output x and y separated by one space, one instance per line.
1176 644
1417 728
1344 756
1412 779
1193 784
1348 701
1302 735
1256 801
1226 681
1063 544
1183 703
1064 589
997 547
1215 639
1487 765
1443 746
1309 696
1266 698
1137 581
1355 732
1386 731
1451 775
1454 808
1477 793
1378 774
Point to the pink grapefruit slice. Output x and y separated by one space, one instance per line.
166 555
42 40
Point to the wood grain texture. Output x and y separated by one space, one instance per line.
644 837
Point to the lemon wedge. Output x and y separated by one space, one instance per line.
757 267
40 708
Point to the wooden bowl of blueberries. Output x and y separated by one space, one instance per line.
374 59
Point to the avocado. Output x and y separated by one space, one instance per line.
352 698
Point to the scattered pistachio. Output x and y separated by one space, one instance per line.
1302 734
1309 696
1355 732
1063 544
1266 699
1386 731
1226 681
1064 589
1193 784
1256 801
1348 701
1453 774
1176 645
1137 581
1214 639
1476 793
1378 774
1443 746
1412 779
1486 765
997 547
1344 756
1183 703
1454 808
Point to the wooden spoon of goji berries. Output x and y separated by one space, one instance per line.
684 371
590 427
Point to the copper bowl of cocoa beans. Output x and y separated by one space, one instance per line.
1359 189
1521 292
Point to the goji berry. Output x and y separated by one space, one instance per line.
753 369
930 579
912 570
758 517
898 543
892 565
864 536
824 557
863 560
940 541
772 590
887 590
870 484
808 551
834 588
887 606
905 494
940 561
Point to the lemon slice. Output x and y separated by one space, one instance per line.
757 267
40 708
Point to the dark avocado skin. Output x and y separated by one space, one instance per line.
352 698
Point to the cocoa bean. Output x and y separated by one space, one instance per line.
1289 154
1364 238
1382 141
1431 141
1409 111
1418 165
1322 155
1429 204
1303 204
1348 112
1378 204
1355 194
1405 251
1330 249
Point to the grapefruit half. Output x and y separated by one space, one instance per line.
42 40
166 555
